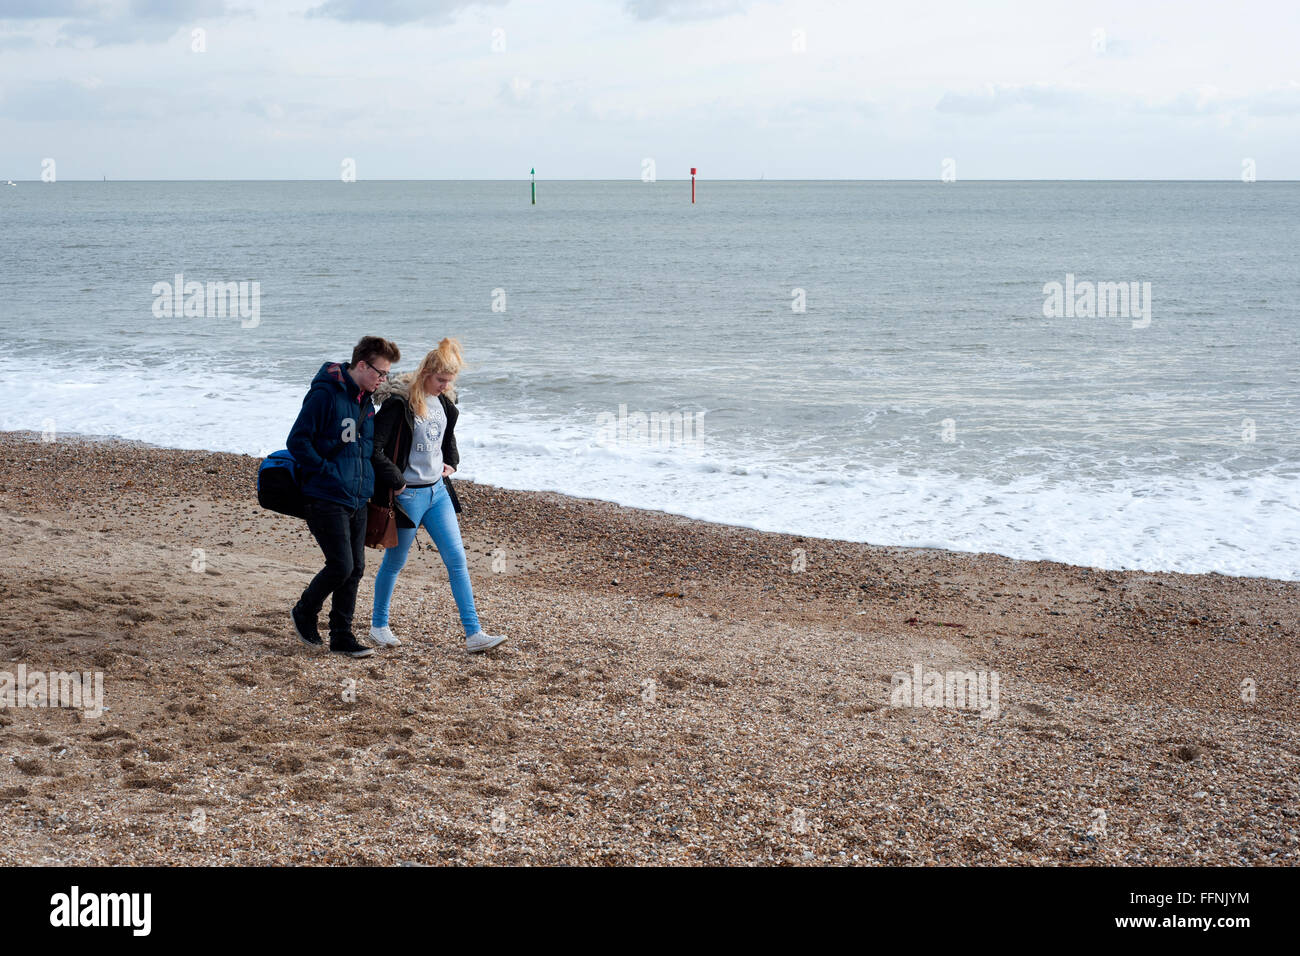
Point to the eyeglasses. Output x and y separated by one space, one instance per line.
381 372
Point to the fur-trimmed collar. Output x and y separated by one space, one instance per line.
399 386
394 385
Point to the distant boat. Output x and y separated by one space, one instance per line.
11 183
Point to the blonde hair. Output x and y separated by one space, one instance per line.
446 358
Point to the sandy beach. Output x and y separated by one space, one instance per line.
672 692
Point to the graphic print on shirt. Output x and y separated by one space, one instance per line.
428 434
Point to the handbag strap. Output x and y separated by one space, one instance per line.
397 449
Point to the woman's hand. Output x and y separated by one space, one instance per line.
399 490
447 470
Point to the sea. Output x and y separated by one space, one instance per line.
1100 373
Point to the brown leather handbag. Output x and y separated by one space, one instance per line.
381 525
381 522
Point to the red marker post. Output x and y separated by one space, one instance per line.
692 185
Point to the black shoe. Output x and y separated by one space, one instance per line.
305 627
349 645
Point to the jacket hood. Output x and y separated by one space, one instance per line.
335 373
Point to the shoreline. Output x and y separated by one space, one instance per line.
560 497
672 691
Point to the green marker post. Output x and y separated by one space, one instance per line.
533 172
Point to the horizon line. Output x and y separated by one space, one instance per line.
658 179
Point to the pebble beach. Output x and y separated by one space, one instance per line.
672 692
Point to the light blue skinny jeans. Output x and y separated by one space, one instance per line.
432 508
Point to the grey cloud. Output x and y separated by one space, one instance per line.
93 104
177 10
825 106
264 109
1283 102
110 32
304 116
102 24
62 100
997 97
685 9
1184 104
518 91
1116 49
396 12
47 9
16 41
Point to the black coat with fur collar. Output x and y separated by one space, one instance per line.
394 426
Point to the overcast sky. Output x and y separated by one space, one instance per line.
590 88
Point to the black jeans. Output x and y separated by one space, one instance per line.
341 534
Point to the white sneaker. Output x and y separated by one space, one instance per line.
384 637
480 642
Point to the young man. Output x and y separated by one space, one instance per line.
332 442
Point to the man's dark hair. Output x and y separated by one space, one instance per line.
372 347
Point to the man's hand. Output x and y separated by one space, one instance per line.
447 470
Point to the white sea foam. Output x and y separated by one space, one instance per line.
1195 525
173 407
1242 526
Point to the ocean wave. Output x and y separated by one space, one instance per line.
1192 523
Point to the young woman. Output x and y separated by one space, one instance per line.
414 456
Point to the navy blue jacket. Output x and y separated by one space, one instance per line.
333 439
